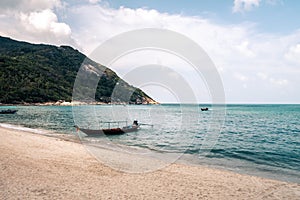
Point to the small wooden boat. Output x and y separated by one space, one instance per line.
8 111
204 109
110 131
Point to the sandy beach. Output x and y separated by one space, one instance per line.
35 166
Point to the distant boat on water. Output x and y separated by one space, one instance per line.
204 109
111 131
8 111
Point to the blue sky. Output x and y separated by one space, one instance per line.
254 44
270 16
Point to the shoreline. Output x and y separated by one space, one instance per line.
164 157
80 103
66 103
35 166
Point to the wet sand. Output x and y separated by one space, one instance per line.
35 166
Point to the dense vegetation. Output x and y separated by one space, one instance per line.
37 73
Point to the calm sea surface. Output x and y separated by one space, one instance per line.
261 140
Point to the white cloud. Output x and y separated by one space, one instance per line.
244 49
279 82
240 77
45 21
293 54
94 1
247 5
35 21
262 75
96 24
244 5
28 5
274 81
238 49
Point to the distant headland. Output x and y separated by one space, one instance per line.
40 74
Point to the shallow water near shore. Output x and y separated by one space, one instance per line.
261 140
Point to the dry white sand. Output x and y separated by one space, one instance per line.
34 166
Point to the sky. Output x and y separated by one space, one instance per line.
254 44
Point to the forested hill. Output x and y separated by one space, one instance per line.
39 73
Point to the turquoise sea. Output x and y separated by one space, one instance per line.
261 140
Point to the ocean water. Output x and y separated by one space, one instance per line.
261 140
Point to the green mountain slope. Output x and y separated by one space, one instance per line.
38 73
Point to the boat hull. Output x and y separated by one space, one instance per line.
112 131
8 111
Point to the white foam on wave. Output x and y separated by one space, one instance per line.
22 128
